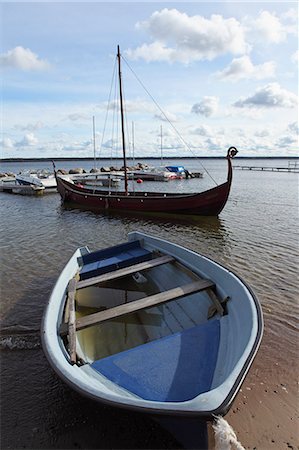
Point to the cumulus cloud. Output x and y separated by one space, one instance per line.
179 37
206 107
24 59
269 28
270 96
28 140
243 68
287 141
293 128
7 143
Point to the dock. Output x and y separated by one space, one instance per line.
294 168
11 188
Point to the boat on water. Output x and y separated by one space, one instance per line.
152 174
91 180
207 203
41 178
153 327
180 172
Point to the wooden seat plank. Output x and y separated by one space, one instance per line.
140 304
71 326
216 301
125 271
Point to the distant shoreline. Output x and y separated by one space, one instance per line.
5 160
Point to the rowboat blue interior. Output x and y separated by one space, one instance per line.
175 368
113 258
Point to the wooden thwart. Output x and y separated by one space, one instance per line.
125 271
216 301
139 305
71 325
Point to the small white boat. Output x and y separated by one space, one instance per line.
94 180
151 174
42 178
151 326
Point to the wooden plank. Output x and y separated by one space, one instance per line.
141 304
72 319
216 301
126 271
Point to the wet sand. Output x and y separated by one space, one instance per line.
265 413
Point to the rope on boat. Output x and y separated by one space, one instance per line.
166 118
225 437
108 105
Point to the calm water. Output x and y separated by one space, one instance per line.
256 235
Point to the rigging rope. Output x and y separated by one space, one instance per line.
108 104
170 123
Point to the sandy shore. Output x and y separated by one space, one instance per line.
265 413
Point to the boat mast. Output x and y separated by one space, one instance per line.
122 120
161 144
133 143
94 142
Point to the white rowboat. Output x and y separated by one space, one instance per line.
151 326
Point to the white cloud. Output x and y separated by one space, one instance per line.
24 59
28 140
7 143
243 68
291 21
287 141
295 57
267 27
293 128
270 96
206 107
203 130
179 37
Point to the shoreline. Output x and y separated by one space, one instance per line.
265 413
140 158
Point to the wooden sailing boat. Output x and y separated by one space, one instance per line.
207 203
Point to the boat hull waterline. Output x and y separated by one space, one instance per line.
210 353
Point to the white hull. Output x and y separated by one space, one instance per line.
48 182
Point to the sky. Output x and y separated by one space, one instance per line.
198 77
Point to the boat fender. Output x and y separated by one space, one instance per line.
139 180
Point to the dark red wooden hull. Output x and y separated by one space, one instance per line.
207 203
